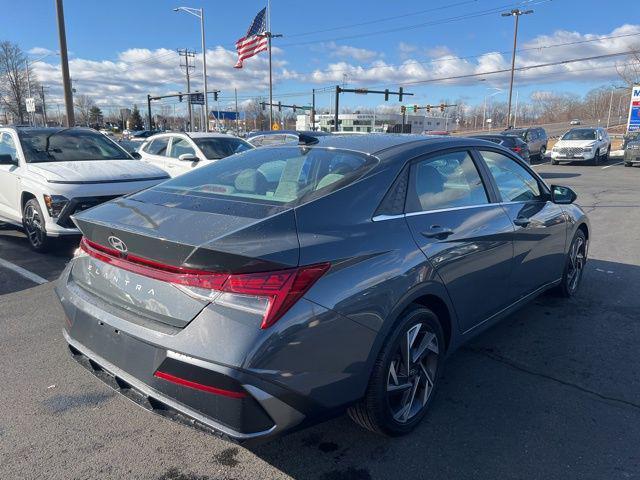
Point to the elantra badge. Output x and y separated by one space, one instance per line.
118 244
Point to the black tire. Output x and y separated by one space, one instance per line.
555 162
377 409
33 223
596 158
608 154
543 152
570 284
628 164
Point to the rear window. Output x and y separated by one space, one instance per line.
278 175
516 133
215 148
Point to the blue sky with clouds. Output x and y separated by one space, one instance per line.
121 50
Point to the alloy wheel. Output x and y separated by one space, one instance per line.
412 373
33 226
577 259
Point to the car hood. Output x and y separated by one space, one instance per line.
97 171
575 143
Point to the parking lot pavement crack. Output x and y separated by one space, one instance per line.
522 368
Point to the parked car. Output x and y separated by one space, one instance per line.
515 144
575 121
48 174
279 137
535 137
177 153
141 135
276 287
582 145
631 147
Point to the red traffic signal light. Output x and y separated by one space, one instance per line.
403 109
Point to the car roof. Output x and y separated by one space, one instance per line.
194 135
24 128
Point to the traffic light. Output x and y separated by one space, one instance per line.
263 106
442 105
403 109
215 96
180 96
428 108
400 94
386 94
279 106
415 108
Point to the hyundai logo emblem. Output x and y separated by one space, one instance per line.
118 244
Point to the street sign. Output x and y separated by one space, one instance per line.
275 126
633 124
361 91
196 99
31 104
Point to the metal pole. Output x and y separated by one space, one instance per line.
515 113
64 64
44 107
270 85
484 113
313 110
204 73
235 90
337 106
610 102
29 114
513 66
149 110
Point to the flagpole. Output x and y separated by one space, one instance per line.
270 70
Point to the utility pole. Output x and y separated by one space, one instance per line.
516 12
187 68
44 106
64 64
335 114
235 91
32 116
313 110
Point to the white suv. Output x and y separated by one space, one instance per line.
582 145
178 153
47 174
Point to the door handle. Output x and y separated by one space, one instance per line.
522 221
437 231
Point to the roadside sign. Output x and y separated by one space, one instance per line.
275 126
31 104
196 99
633 124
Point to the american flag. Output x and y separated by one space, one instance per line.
255 41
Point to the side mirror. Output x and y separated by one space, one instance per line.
188 157
562 195
6 159
135 155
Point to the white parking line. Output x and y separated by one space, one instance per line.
21 271
612 165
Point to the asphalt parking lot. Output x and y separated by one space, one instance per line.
551 392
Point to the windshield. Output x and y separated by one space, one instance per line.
273 175
516 133
580 134
68 146
215 148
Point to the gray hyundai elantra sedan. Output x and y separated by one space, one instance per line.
284 285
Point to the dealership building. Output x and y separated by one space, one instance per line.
375 123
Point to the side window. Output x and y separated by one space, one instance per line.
448 180
158 146
514 182
180 146
8 147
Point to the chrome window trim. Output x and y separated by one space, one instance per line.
381 218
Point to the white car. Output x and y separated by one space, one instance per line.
178 153
582 145
48 174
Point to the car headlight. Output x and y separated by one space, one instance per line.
55 204
555 149
587 149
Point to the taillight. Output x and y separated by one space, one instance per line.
269 294
517 149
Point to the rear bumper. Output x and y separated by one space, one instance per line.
223 400
632 156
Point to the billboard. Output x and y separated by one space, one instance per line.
224 115
633 124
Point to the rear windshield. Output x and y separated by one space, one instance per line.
580 134
221 147
276 175
516 133
68 146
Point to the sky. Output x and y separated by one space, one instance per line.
121 50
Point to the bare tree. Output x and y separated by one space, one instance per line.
629 69
13 80
83 105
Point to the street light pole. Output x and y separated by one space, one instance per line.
516 12
610 103
199 13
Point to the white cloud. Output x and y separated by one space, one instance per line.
445 63
40 51
346 51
